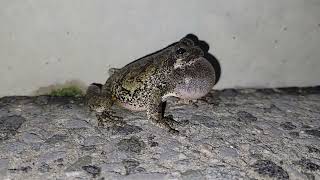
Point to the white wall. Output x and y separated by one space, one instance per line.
258 43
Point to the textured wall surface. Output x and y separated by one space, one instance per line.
258 43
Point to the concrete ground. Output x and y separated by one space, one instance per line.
229 134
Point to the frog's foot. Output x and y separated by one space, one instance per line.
169 119
109 119
163 123
186 102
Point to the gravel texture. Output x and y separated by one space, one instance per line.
228 134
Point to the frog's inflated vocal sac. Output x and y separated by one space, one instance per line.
179 70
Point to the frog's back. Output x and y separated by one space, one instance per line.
139 66
131 85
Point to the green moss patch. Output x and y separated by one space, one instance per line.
71 91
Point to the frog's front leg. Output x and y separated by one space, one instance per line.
155 113
169 119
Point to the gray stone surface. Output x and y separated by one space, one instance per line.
9 125
229 134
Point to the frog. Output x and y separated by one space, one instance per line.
179 70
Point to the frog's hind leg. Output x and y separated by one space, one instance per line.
109 119
94 98
101 103
93 90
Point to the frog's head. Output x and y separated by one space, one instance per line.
192 74
185 52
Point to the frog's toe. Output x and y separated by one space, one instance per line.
169 119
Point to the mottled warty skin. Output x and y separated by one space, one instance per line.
179 70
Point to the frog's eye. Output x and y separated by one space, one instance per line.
181 51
